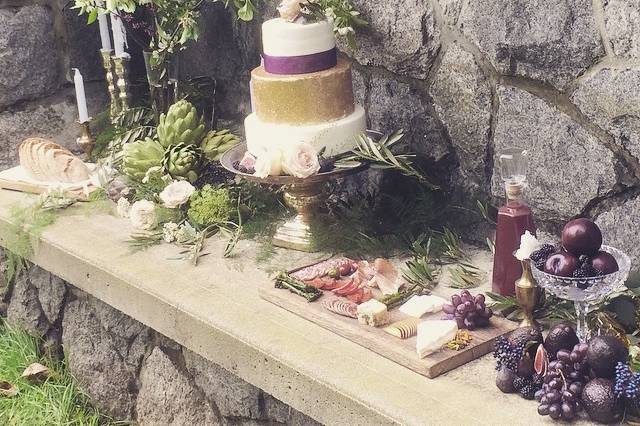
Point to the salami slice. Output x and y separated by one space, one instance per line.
341 307
320 269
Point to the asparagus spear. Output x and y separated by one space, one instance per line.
283 280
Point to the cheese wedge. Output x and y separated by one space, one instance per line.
373 313
433 335
417 306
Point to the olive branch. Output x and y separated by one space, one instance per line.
379 155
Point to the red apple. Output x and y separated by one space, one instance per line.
562 264
581 236
604 262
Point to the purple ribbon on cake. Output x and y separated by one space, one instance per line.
300 64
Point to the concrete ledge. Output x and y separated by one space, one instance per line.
214 310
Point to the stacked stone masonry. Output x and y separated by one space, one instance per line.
128 370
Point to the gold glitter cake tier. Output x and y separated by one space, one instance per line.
317 97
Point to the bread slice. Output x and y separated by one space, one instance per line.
47 161
76 171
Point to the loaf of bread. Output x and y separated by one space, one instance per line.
47 161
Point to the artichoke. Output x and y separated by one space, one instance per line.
183 161
180 125
217 142
140 156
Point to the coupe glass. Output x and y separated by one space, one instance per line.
585 292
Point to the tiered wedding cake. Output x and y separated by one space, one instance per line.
302 92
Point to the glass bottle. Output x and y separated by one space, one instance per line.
514 218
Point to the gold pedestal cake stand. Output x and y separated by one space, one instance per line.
305 196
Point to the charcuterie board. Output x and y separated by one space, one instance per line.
376 339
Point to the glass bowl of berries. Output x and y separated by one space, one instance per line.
581 269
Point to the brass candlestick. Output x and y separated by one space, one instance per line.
527 294
107 63
123 86
85 141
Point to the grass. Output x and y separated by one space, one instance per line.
57 401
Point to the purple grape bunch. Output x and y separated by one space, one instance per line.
566 377
469 312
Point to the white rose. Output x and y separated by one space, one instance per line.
123 208
528 244
290 9
269 163
176 193
301 161
143 215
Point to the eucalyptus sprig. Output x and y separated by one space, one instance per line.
379 155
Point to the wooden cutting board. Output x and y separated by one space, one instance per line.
16 179
376 339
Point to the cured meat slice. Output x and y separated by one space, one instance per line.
356 296
318 283
348 288
331 283
341 307
320 269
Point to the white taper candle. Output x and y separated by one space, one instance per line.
119 35
83 112
105 38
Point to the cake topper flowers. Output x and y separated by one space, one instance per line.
341 13
289 10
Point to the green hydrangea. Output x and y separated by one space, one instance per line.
209 206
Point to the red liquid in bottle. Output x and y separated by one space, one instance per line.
513 220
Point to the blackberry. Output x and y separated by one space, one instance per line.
585 271
540 264
520 383
529 390
540 256
583 259
212 174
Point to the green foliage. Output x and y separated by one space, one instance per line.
210 206
175 21
465 275
549 309
57 401
25 227
346 19
380 156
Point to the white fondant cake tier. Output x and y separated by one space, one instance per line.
337 136
283 38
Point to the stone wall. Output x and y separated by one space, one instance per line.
130 371
40 41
